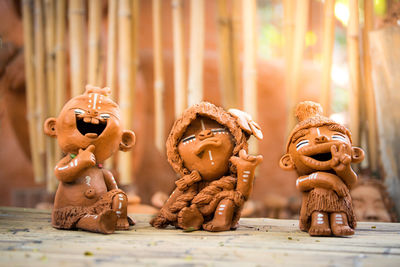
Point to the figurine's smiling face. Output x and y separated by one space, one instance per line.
310 148
206 147
89 119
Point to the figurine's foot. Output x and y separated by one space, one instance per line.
190 218
216 226
107 222
102 223
122 224
339 224
319 224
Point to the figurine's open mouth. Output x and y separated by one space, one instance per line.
91 129
317 156
203 145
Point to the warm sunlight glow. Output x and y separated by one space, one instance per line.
342 13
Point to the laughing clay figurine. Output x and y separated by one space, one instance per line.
207 148
320 150
89 131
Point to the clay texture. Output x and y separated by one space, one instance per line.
321 151
207 148
89 131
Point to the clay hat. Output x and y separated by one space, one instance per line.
239 124
309 114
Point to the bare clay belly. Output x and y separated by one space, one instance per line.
77 194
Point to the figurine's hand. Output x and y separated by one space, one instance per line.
87 157
341 157
246 162
340 188
186 181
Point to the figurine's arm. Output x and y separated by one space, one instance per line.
67 169
110 180
245 165
322 180
341 164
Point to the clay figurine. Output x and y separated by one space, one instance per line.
207 148
89 131
321 151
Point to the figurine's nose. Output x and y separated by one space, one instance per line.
93 112
205 134
321 139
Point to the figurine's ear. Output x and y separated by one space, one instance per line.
49 127
127 141
287 163
357 155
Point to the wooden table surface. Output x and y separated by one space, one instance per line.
27 238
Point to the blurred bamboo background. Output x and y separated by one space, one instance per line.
57 33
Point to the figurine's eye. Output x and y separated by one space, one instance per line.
338 137
302 144
190 138
219 130
79 111
105 116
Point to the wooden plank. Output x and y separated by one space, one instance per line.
27 237
385 58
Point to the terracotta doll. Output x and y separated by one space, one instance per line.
89 131
207 147
321 151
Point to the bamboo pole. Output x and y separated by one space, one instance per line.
51 158
38 166
125 80
135 8
228 85
77 13
111 80
369 89
288 31
94 73
60 81
353 53
179 58
250 104
158 76
196 52
112 45
327 51
235 43
301 23
40 78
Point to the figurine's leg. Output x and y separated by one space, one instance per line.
102 223
223 215
340 225
120 206
319 224
190 218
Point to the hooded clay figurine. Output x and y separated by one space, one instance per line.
207 148
321 151
89 131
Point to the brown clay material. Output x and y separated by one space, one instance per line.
88 131
207 147
321 151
